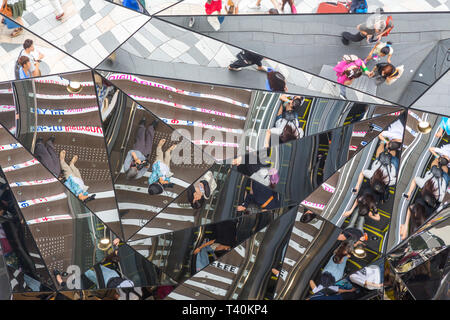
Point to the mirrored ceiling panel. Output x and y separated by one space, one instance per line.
435 99
226 195
421 246
429 281
67 234
164 50
423 174
23 262
317 44
183 253
58 120
231 276
298 167
151 163
223 120
88 30
320 256
122 267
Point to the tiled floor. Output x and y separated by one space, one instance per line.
78 33
55 61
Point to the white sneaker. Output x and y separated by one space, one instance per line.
191 22
254 6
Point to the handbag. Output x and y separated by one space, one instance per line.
6 10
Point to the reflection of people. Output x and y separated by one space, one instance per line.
161 167
385 73
247 58
381 49
72 178
347 70
25 68
434 187
34 56
275 81
287 126
334 269
202 252
201 189
261 196
111 278
372 33
136 162
46 154
259 171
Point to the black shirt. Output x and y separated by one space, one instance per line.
253 57
353 234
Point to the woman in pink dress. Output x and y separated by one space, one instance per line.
347 70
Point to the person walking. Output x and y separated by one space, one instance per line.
381 49
59 11
247 58
371 31
16 7
45 153
136 162
347 70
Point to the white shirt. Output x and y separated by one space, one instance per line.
394 131
440 185
32 56
390 172
281 123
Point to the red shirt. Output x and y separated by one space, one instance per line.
215 5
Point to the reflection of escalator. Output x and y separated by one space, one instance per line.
112 124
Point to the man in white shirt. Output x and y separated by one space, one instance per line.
33 55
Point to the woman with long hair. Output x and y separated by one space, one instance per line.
420 210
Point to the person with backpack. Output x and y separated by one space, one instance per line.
381 49
438 175
347 70
287 126
247 58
